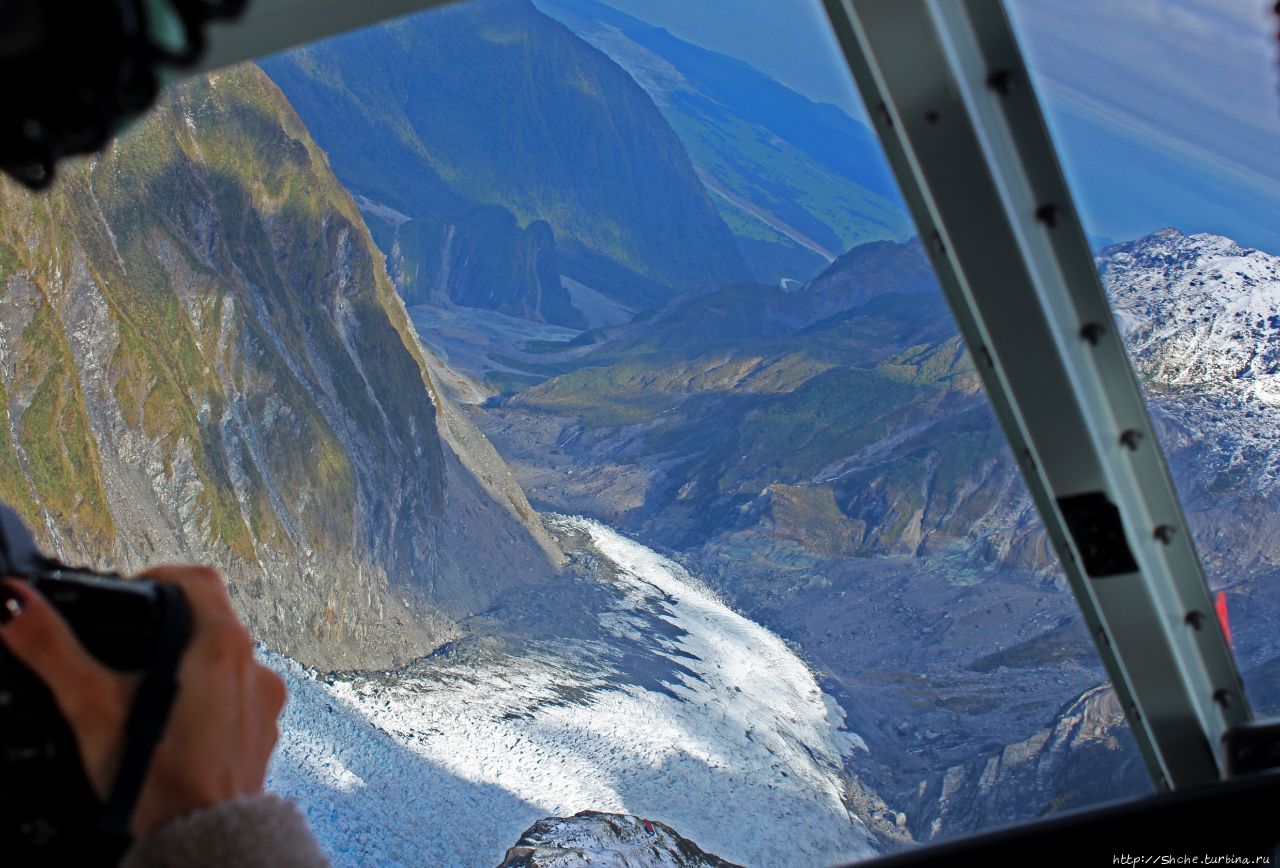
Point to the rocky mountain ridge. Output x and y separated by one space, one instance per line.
492 104
1199 313
797 182
852 390
202 359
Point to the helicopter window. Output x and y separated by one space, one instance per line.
665 269
574 412
1167 134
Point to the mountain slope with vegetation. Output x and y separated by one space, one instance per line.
493 104
826 459
853 391
201 357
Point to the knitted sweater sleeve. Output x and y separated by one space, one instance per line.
262 831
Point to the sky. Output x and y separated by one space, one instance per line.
1165 112
790 40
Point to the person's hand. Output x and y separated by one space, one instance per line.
223 725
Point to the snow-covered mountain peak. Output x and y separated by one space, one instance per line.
1201 313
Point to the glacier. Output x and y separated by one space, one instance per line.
449 760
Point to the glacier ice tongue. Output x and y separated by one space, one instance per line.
448 762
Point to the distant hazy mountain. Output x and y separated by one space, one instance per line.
201 358
491 103
798 181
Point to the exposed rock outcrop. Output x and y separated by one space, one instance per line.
597 838
202 358
1085 757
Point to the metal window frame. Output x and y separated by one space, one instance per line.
951 100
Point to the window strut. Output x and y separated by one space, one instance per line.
951 100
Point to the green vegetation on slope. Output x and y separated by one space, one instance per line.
202 356
62 460
843 415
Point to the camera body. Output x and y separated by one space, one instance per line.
49 813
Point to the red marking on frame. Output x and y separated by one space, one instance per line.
1220 603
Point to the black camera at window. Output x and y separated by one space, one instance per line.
49 813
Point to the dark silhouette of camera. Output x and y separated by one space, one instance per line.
49 813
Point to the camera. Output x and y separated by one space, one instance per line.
49 812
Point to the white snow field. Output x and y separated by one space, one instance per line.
735 746
1201 319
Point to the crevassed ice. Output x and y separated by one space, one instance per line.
741 753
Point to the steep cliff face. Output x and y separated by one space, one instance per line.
486 259
202 358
